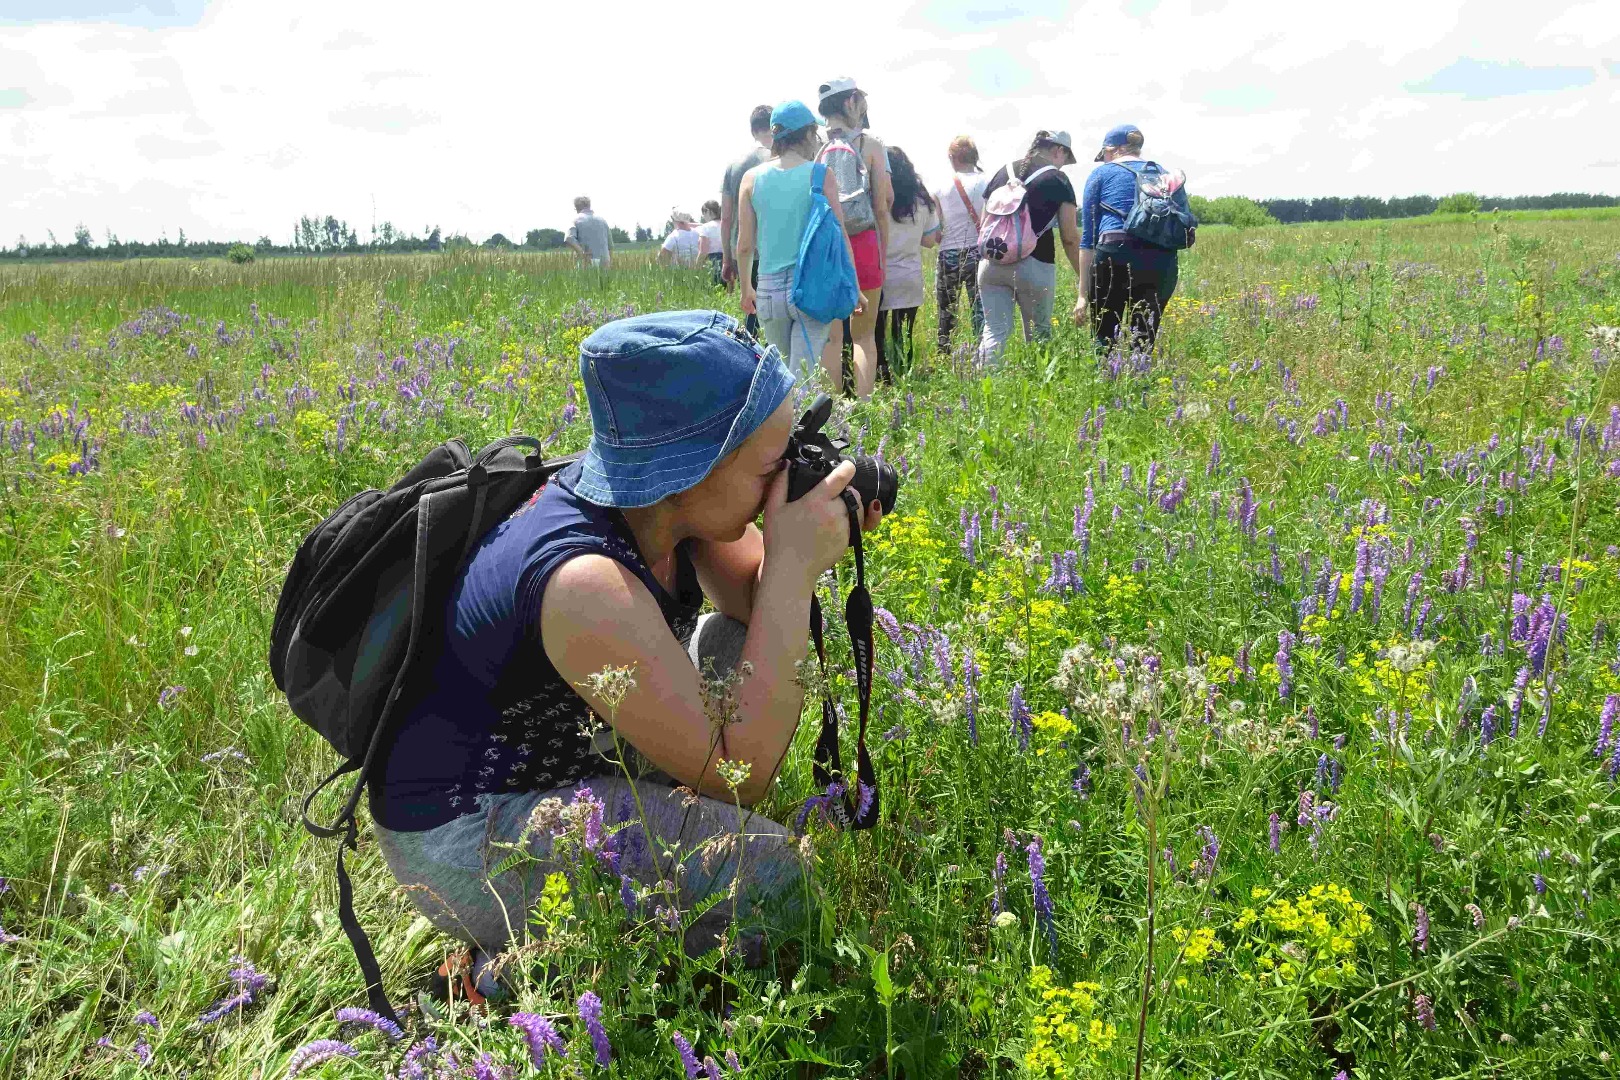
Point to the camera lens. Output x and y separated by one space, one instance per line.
876 481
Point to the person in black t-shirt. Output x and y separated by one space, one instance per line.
1031 285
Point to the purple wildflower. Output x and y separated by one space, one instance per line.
970 540
689 1060
1611 708
732 1063
321 1050
1082 781
1520 684
1414 585
1542 621
540 1034
1487 727
169 695
865 794
970 694
357 1017
146 1019
1276 833
998 901
1358 580
1043 899
1476 914
1285 667
1315 725
248 983
1423 1009
1022 727
1539 883
1210 852
487 1068
590 1011
417 1057
1420 927
711 1068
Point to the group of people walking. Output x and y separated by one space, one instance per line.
996 232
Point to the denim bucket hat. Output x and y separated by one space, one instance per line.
671 394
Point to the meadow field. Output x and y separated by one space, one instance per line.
1244 710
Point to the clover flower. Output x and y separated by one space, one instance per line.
689 1060
540 1034
315 1053
590 1011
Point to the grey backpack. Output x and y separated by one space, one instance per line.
849 169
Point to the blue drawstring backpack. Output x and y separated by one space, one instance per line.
824 286
1160 215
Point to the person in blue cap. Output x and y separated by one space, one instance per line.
1123 280
605 570
774 205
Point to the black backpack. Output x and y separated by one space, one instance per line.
359 615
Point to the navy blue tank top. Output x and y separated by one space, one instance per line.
494 716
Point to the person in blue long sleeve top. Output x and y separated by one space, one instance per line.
1125 278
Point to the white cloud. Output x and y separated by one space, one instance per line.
489 117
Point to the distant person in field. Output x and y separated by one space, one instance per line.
914 225
1029 286
861 167
961 208
681 245
774 202
711 248
590 236
1123 279
759 125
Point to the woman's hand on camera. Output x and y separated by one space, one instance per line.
811 533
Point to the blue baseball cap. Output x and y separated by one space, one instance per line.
791 116
1118 136
671 394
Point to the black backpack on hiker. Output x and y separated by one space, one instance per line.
360 610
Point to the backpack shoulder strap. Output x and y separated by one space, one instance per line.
967 203
1043 169
818 177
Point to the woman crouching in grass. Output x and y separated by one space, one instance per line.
605 568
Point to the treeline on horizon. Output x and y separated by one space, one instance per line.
330 235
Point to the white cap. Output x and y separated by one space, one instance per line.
835 86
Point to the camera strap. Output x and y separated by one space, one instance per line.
862 811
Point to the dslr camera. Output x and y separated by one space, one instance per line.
811 455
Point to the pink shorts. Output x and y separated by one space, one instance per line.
868 260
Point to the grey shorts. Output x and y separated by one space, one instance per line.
699 847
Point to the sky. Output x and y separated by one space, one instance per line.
230 118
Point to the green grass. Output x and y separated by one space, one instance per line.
136 870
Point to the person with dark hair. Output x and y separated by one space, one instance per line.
710 246
759 125
961 209
1123 279
1030 285
861 167
774 204
914 226
590 236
